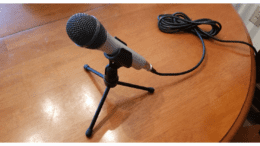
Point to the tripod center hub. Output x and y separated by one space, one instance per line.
111 76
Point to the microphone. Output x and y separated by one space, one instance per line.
86 31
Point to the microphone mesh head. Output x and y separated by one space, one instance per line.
82 27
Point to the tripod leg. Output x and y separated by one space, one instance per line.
88 68
149 89
90 129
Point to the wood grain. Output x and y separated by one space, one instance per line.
46 96
235 129
19 17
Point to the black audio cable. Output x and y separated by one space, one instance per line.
180 22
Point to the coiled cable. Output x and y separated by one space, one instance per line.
180 22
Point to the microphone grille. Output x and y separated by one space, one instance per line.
82 27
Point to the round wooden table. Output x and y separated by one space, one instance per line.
206 105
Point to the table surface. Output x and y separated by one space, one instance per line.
47 96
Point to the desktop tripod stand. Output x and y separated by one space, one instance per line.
121 58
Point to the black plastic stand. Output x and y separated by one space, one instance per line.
111 79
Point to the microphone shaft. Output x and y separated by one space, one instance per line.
112 44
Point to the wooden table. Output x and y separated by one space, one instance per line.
47 96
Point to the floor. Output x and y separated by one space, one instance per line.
29 17
246 11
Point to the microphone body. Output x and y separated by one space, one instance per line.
86 31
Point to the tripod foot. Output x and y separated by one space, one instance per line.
150 90
86 67
89 132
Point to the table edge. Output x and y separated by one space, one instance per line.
248 102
